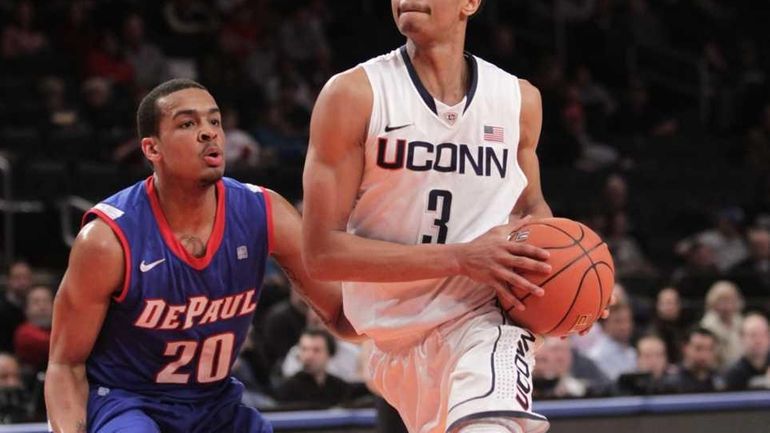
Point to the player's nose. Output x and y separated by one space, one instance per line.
207 134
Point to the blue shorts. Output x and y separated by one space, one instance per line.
119 411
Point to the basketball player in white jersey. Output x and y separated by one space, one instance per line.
420 163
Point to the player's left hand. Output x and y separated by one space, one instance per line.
605 313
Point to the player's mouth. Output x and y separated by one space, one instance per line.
412 7
213 156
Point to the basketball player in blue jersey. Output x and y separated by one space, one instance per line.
421 162
162 283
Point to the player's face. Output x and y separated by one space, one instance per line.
190 142
428 20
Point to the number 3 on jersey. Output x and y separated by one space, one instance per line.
443 216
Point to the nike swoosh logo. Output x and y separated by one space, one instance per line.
389 128
144 267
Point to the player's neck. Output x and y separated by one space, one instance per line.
187 209
442 68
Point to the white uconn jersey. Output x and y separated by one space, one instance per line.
431 178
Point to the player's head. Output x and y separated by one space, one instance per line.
424 21
652 356
700 350
316 347
180 129
755 336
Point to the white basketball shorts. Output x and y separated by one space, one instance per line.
476 367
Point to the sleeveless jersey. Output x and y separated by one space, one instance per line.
177 324
432 177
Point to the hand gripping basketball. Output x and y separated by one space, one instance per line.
579 288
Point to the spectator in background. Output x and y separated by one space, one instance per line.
242 149
21 38
753 274
107 60
75 34
552 376
697 372
32 338
302 38
60 114
13 399
757 157
344 362
147 60
669 322
283 324
252 369
613 354
638 117
100 110
191 23
698 273
627 255
752 369
652 368
12 302
725 239
313 385
723 318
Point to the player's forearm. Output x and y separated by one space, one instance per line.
66 397
346 257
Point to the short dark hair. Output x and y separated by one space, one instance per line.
331 344
699 330
147 115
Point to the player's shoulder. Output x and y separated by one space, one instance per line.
351 85
97 239
529 92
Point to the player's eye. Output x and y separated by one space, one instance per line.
187 124
215 122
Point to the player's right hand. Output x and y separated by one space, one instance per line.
494 260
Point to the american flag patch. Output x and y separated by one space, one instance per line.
493 133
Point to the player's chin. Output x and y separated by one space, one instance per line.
212 175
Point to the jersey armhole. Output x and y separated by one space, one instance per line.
121 296
269 218
372 123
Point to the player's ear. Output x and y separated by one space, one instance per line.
150 148
470 7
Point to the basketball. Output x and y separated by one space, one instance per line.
579 286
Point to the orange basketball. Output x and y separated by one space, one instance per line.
579 286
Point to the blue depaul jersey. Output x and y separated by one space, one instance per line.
177 324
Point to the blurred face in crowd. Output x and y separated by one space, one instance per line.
10 375
190 142
19 279
424 21
668 305
755 337
554 359
313 354
700 353
759 244
652 356
39 306
620 325
725 300
702 257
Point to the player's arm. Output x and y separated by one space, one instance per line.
531 201
325 298
94 273
333 172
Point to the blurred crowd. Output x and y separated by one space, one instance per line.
656 134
